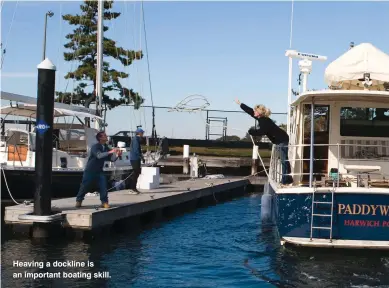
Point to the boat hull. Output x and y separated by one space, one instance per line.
65 183
356 216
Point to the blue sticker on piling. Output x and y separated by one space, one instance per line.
42 127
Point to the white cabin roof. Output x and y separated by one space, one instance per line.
343 95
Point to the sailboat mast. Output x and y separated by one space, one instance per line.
100 57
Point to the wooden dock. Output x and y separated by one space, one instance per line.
125 205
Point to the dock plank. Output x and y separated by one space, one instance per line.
125 205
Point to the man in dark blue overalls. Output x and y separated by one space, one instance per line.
93 172
136 156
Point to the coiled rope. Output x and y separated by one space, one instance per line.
184 106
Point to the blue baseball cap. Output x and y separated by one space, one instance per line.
139 130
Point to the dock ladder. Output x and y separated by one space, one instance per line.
317 215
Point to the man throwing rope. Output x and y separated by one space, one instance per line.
278 136
93 173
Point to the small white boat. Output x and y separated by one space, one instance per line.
71 144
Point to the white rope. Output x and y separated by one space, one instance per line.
183 106
9 191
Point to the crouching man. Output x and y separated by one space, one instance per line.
93 173
136 156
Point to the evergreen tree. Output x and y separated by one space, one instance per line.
83 47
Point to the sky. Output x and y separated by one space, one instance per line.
221 50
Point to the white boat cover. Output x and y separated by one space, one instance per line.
29 111
346 71
17 98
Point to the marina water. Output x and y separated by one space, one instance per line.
217 246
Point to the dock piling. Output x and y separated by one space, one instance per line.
43 143
254 165
186 164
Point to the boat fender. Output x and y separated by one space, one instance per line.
267 209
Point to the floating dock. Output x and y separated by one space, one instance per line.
124 205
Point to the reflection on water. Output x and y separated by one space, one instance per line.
219 246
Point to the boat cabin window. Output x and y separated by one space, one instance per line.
71 134
71 140
17 138
17 145
364 122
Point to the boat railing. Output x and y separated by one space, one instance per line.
356 165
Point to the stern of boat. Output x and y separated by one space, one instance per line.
327 214
333 218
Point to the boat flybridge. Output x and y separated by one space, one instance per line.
339 157
72 141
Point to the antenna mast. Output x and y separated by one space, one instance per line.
153 131
100 57
305 65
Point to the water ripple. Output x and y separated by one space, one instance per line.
220 246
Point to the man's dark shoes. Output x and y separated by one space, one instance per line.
134 191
